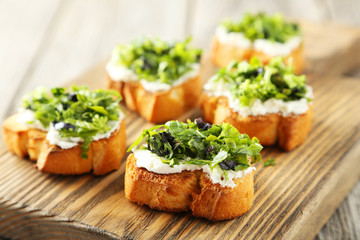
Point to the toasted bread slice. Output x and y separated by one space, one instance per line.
105 154
223 54
36 139
159 106
289 132
188 190
18 139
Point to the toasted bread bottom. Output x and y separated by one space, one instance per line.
16 135
289 132
188 190
223 54
159 106
105 154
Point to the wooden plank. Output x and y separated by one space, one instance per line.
340 183
20 20
325 46
18 222
83 33
290 199
345 12
344 222
19 45
99 201
295 197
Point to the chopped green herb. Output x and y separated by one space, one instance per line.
269 162
201 144
157 61
262 26
75 112
248 81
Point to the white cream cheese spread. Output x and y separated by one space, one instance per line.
118 72
232 38
27 117
53 136
257 107
121 73
151 162
268 47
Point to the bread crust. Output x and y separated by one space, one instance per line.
223 54
287 131
104 155
16 135
158 107
188 190
36 139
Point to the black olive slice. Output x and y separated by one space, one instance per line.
62 125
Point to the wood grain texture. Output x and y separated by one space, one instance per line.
345 217
73 36
292 200
19 222
19 46
344 46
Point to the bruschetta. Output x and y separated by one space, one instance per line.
195 166
159 80
69 131
266 101
260 35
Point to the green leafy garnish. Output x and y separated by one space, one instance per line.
262 26
157 61
248 81
201 143
75 112
269 162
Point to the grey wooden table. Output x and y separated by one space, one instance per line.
50 42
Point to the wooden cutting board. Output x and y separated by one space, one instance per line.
293 199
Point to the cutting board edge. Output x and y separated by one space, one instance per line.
322 210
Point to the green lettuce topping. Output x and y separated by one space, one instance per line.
75 112
248 81
157 61
262 26
269 162
201 143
